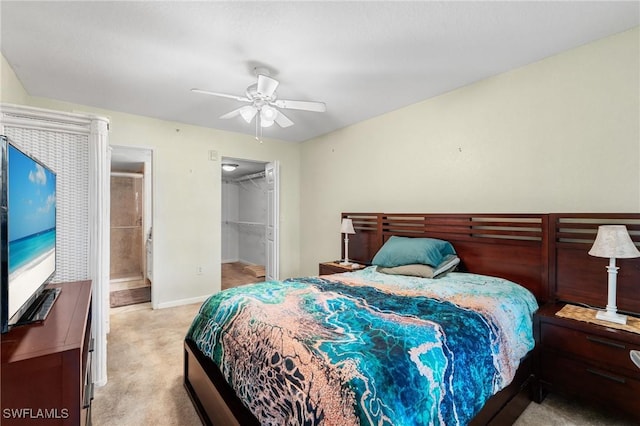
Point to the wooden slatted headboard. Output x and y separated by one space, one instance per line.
547 253
579 278
511 246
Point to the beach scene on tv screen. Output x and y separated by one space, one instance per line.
31 226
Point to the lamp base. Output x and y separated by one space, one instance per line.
611 317
345 263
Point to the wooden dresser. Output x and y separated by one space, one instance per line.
46 367
588 360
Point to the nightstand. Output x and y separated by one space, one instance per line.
328 268
587 360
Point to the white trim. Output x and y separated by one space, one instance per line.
99 207
182 302
43 119
48 114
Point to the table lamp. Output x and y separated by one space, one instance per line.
346 229
613 241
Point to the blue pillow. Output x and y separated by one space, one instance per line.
398 251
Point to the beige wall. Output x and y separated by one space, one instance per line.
187 194
559 135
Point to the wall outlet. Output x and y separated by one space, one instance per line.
198 270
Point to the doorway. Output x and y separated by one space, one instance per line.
249 212
130 231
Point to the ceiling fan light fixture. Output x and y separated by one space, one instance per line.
247 113
227 167
266 123
268 115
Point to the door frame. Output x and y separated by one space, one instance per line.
141 154
275 213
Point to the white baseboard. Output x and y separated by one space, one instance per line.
174 303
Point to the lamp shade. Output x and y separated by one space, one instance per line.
614 241
347 227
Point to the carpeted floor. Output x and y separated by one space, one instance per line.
144 370
145 361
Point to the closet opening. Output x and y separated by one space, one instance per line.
249 225
130 231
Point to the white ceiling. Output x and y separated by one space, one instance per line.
362 58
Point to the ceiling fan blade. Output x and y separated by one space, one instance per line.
231 114
222 95
302 105
282 120
247 112
266 85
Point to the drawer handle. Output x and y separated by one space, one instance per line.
635 357
607 376
606 342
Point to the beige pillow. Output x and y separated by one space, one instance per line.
415 270
448 264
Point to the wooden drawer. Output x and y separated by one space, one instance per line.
600 386
591 347
328 268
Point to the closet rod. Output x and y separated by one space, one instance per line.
248 177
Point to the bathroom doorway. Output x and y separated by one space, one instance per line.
131 262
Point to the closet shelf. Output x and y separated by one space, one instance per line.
236 222
251 178
258 175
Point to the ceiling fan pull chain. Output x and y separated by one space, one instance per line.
258 128
259 121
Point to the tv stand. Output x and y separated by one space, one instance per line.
40 307
46 366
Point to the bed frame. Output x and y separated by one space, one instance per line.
546 253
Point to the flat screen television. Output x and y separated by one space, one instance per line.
28 228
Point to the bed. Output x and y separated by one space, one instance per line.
237 357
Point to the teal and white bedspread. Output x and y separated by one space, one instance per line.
365 348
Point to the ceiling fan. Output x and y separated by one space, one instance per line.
264 103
